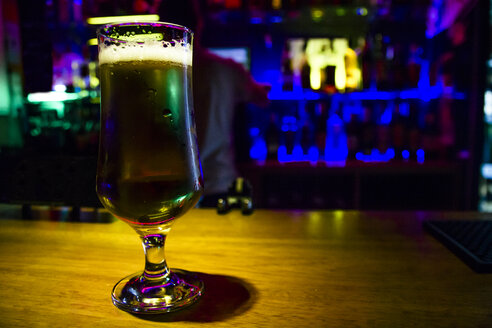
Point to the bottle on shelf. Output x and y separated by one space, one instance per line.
414 134
321 113
430 136
399 131
287 74
272 138
382 128
305 75
446 126
307 130
289 129
367 131
414 65
367 64
336 139
352 129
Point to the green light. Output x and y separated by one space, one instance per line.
39 97
340 11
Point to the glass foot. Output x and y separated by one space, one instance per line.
137 294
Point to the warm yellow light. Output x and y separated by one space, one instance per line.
321 53
93 82
339 50
317 14
122 19
317 54
315 79
352 70
92 42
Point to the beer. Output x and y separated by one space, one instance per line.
148 169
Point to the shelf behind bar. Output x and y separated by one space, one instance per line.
425 94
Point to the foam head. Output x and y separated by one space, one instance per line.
117 47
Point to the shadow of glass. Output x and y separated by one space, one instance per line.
224 297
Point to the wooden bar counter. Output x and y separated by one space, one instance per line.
269 269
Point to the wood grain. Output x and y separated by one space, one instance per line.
270 269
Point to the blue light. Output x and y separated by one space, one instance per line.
289 123
254 132
423 93
336 154
373 95
404 109
276 19
387 116
420 156
376 156
313 154
361 11
297 153
282 154
424 81
390 154
259 150
255 20
297 94
405 154
289 119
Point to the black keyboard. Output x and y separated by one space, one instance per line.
470 240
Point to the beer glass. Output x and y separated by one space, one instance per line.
148 171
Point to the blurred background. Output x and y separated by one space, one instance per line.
374 104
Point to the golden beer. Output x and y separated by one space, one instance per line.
147 140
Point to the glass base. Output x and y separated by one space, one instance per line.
137 294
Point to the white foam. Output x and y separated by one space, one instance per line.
156 51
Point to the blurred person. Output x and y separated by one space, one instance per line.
219 86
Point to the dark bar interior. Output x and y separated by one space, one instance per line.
345 176
373 104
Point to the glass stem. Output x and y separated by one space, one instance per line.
155 261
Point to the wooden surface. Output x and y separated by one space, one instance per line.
271 269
